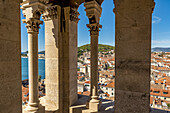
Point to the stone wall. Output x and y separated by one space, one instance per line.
10 57
69 41
133 55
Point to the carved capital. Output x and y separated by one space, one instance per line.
74 15
50 13
93 11
33 9
94 28
32 25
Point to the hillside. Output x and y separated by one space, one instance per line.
41 52
101 48
160 49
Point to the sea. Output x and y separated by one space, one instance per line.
41 68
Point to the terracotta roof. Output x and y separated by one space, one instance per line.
87 82
160 92
25 91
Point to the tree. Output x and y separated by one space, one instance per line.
39 78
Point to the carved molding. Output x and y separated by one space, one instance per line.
32 25
94 28
50 13
74 15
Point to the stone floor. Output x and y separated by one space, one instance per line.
107 106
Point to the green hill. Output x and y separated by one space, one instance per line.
41 52
101 48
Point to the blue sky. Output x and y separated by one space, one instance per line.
160 26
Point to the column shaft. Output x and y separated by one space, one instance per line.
33 68
94 64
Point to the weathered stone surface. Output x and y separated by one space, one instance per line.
133 50
10 57
53 99
69 53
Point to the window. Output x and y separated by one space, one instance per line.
112 93
165 92
106 88
165 98
86 85
112 89
156 91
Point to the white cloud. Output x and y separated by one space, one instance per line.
160 43
156 19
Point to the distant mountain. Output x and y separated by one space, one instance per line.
41 52
26 52
160 49
101 48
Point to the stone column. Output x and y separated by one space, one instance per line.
32 29
133 55
32 12
53 81
94 10
10 57
69 56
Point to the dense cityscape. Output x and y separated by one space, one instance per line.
160 76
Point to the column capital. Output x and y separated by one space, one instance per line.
50 13
71 14
93 11
94 28
32 25
74 15
33 8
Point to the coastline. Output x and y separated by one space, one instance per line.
27 57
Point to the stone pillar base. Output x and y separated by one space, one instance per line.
88 111
95 104
39 109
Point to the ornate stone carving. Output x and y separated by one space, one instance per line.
50 13
32 9
32 25
45 1
93 11
94 28
74 15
